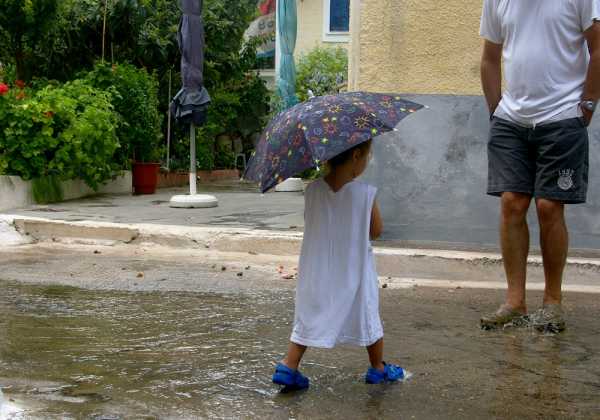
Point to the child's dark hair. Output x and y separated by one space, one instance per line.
343 157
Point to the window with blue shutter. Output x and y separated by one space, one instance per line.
339 15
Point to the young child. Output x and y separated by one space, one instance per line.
337 295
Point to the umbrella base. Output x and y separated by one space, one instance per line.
193 201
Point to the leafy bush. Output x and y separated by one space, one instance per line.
134 97
224 158
66 131
47 189
322 70
205 151
24 27
143 33
236 109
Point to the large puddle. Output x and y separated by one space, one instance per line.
72 353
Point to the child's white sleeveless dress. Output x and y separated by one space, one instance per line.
337 295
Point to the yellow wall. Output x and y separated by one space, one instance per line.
415 46
310 27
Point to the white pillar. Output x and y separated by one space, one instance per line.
192 159
277 45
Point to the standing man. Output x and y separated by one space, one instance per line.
538 145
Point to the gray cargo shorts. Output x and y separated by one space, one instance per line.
549 161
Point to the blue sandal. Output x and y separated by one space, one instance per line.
291 379
391 373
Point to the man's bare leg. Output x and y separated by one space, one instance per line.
554 240
514 240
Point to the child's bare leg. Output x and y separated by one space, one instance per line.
375 351
294 355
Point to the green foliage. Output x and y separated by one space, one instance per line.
311 174
8 72
24 25
224 157
47 189
134 97
322 70
238 109
205 151
227 57
67 40
66 131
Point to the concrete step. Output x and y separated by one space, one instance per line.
241 240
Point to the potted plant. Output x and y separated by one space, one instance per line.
134 94
145 177
146 163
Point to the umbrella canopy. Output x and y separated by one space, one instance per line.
286 82
190 104
321 128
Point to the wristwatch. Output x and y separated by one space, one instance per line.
589 105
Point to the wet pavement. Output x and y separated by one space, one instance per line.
240 205
74 353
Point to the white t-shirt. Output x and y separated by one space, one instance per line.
545 54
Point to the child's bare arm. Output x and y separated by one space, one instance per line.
376 222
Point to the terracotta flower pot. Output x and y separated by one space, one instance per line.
145 177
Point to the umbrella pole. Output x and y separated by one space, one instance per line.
169 128
193 199
192 159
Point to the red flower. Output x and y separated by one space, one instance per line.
48 114
20 84
3 89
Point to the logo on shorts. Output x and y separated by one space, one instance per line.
565 179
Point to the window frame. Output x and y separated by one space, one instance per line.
328 35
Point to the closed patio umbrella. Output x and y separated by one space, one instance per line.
190 105
286 82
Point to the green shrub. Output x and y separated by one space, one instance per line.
322 70
236 109
205 150
47 189
64 131
134 97
224 157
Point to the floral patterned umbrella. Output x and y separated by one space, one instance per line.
314 131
